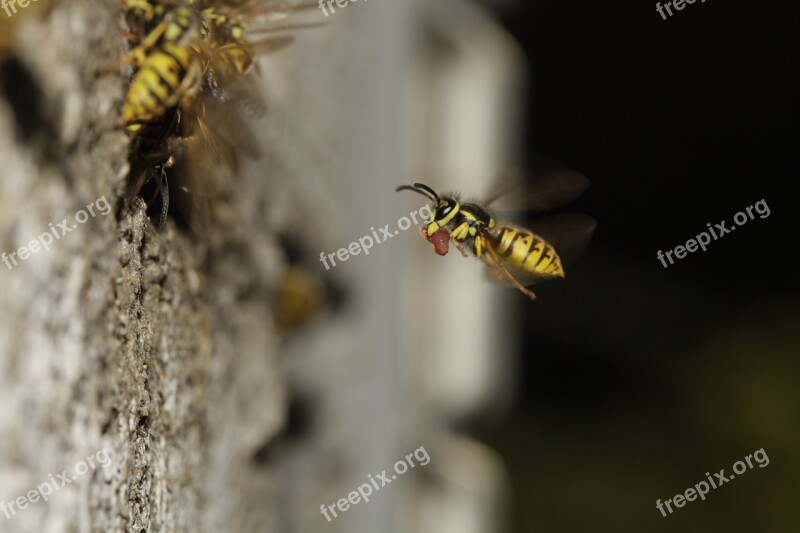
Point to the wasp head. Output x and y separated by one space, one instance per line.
443 210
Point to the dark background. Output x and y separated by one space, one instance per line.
636 380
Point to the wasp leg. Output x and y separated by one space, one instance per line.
461 232
458 235
457 244
136 56
491 260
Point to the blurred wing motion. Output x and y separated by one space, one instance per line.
568 233
549 186
210 146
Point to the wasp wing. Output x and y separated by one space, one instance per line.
547 186
568 233
214 138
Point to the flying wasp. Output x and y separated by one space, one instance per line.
514 254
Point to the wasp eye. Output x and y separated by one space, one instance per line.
444 211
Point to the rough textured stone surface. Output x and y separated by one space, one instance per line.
106 341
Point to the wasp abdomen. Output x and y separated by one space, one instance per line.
159 84
527 252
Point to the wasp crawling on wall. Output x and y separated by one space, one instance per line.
185 103
514 254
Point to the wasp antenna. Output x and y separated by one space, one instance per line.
426 192
424 187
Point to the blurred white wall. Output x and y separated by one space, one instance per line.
390 93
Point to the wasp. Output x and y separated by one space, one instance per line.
192 59
512 253
187 51
168 67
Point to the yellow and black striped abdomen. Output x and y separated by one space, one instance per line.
527 252
163 79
